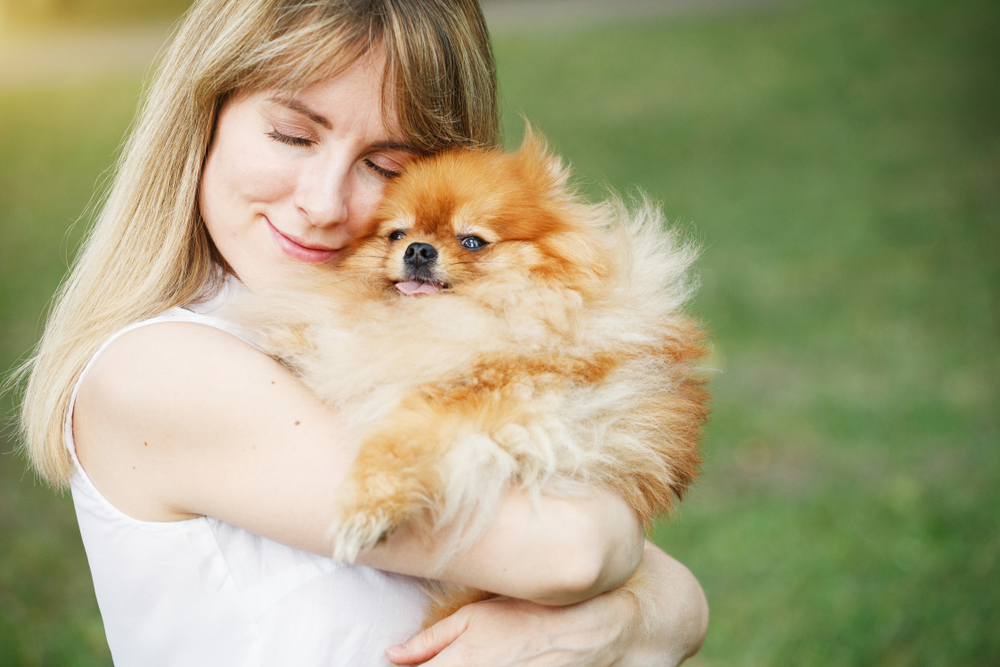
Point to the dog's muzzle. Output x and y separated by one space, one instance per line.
419 260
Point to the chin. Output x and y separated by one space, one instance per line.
494 331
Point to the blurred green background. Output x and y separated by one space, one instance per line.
44 14
839 161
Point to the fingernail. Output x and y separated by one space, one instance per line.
398 648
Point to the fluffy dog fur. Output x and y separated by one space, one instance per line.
551 353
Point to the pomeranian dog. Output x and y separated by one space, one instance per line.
494 331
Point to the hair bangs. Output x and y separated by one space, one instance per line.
441 97
307 44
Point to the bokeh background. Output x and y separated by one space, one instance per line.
838 161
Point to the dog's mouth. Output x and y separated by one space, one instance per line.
417 287
420 271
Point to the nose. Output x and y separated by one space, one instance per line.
420 254
323 192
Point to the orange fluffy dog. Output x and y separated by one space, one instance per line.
493 331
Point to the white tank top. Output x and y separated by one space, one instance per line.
203 593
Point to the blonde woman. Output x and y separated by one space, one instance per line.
203 474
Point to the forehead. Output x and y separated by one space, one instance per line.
349 99
513 196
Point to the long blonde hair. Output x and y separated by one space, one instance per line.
149 250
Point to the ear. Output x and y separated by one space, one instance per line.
534 149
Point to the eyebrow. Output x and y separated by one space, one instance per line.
391 145
298 107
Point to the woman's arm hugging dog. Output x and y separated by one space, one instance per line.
494 330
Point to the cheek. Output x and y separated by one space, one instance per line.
393 263
461 266
370 257
513 256
366 196
240 176
213 193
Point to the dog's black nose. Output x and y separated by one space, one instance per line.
419 254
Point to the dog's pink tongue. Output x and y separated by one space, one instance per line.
414 287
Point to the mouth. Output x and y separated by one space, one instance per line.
416 287
300 251
419 274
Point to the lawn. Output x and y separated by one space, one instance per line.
839 162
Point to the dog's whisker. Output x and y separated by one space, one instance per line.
518 383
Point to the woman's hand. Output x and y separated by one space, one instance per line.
658 618
505 631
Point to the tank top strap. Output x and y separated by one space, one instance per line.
200 592
203 312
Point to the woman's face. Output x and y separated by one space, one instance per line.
294 178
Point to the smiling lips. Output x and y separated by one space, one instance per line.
300 252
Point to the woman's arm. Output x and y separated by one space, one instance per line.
671 618
562 552
178 420
658 619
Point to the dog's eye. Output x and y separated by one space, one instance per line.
397 235
473 243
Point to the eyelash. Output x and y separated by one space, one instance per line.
301 141
291 141
381 171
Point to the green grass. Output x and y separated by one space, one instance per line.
840 163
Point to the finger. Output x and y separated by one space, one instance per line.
430 642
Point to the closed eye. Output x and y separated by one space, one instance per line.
290 140
387 174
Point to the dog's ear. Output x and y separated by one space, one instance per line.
535 150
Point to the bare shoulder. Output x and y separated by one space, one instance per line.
170 378
157 367
179 419
161 346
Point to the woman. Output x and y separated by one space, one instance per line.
203 474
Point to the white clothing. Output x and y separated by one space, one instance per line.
203 593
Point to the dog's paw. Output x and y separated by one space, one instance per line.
358 532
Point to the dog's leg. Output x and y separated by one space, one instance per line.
395 480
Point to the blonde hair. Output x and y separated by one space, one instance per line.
149 250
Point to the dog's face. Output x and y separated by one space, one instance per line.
456 219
